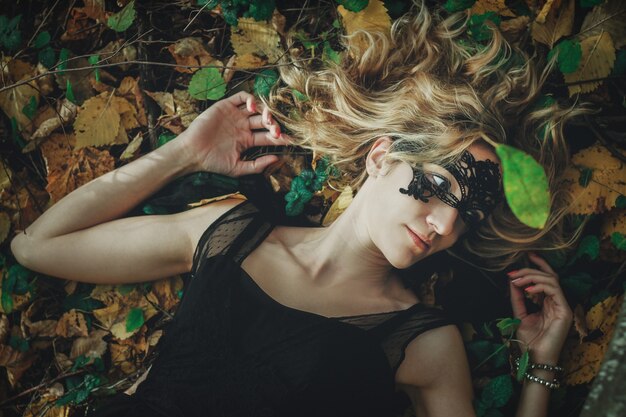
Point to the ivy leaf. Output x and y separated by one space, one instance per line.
46 57
125 289
30 108
134 320
122 20
299 96
18 343
525 186
264 81
585 176
42 39
330 54
21 275
69 93
508 325
477 26
207 84
81 301
164 138
261 10
209 4
523 366
577 285
354 5
589 245
498 391
453 6
619 240
93 60
63 57
10 35
570 52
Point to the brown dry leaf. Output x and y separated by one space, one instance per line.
164 100
338 207
218 198
580 322
45 82
96 10
4 327
80 79
541 16
5 226
185 107
154 338
36 409
558 23
598 58
609 16
513 29
497 6
118 52
91 346
608 180
373 18
130 353
72 324
613 221
79 25
70 287
129 89
69 169
164 292
19 301
5 176
132 147
65 114
258 38
582 361
26 200
108 315
43 328
97 123
13 100
16 362
248 61
191 52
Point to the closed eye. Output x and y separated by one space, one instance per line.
440 182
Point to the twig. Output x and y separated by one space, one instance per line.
35 388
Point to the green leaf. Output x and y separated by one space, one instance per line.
498 391
354 5
508 325
20 279
42 39
93 60
618 240
620 201
264 81
229 13
69 93
396 8
261 10
210 4
523 366
589 245
477 26
207 84
46 57
585 176
125 289
134 320
590 3
299 96
577 285
164 138
18 343
30 108
80 362
453 6
570 52
525 186
81 301
329 53
63 57
7 302
122 20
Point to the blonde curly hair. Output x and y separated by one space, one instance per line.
435 95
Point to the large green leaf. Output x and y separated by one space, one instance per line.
264 81
122 20
570 53
354 5
134 320
525 186
453 6
207 84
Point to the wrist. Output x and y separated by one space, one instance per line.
182 156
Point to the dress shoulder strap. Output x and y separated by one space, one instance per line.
234 233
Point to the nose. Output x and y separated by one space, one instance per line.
443 218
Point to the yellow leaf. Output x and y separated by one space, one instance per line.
497 6
5 226
5 176
373 18
598 58
596 157
338 207
97 123
608 16
558 23
13 100
541 16
603 315
132 147
191 52
258 38
72 324
91 346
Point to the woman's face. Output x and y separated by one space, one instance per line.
395 218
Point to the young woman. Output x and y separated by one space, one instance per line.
313 321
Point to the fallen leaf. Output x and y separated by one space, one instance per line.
72 324
66 114
496 6
373 18
258 38
97 123
91 346
514 29
5 226
15 362
191 52
13 100
338 206
559 23
598 58
608 16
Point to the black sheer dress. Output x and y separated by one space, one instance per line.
233 351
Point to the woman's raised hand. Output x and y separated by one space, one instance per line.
544 331
215 140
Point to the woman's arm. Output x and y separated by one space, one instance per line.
82 225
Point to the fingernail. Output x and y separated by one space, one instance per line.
512 272
529 288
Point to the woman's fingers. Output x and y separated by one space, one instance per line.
260 122
536 278
267 139
255 166
517 302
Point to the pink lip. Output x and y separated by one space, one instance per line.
418 240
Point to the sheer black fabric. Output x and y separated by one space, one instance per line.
233 351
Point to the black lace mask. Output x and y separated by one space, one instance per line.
479 182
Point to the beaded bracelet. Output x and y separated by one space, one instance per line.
551 385
545 367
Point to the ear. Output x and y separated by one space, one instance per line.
375 162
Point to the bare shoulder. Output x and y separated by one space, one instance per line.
429 354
